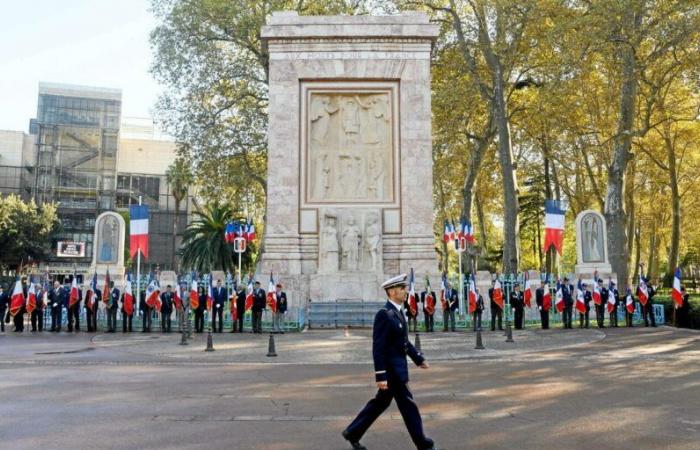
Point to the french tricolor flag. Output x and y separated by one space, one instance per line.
128 296
17 299
553 225
138 237
559 297
250 235
676 292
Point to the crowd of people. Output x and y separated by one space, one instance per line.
548 301
44 305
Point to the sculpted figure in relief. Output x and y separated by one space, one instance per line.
351 244
330 251
373 239
321 110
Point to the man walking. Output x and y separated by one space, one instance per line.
390 346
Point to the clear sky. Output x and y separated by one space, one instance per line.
89 42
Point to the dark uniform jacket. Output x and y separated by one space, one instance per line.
240 302
56 296
567 294
220 296
604 295
587 298
539 297
202 303
4 301
517 300
390 345
480 303
453 299
282 302
114 299
166 302
259 299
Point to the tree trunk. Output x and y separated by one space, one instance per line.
511 224
475 160
177 214
614 199
539 244
631 209
482 224
637 255
675 208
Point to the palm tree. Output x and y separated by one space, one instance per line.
203 246
179 177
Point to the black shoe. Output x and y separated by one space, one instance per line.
355 444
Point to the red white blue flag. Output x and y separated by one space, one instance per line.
527 295
74 292
629 302
229 234
642 291
194 295
472 295
676 292
128 297
272 294
547 297
250 231
553 225
17 299
412 302
612 298
597 297
138 230
559 297
31 297
580 300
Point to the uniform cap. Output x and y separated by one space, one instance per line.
399 280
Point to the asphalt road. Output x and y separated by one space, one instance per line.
621 388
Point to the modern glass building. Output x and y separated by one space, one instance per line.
77 139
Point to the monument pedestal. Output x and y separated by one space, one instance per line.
592 248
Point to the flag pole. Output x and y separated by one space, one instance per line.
138 271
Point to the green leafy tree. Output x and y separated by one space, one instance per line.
179 178
25 230
203 246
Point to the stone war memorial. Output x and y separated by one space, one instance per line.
349 129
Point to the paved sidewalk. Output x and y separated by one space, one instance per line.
624 388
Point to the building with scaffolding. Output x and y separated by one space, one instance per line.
81 154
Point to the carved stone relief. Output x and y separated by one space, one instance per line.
349 147
350 240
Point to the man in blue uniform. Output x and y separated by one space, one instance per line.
112 308
390 346
219 301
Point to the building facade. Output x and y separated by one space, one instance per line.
78 155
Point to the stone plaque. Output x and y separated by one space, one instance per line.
108 247
591 245
349 151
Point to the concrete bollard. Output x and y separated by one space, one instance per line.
271 347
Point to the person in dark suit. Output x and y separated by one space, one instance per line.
220 294
91 307
428 309
278 316
147 313
476 315
74 312
452 306
517 302
412 318
36 317
166 309
56 304
259 301
390 346
240 308
112 308
496 311
683 312
612 291
544 309
600 308
648 309
584 318
199 310
4 303
568 298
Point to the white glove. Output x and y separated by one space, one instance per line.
540 308
218 306
55 305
